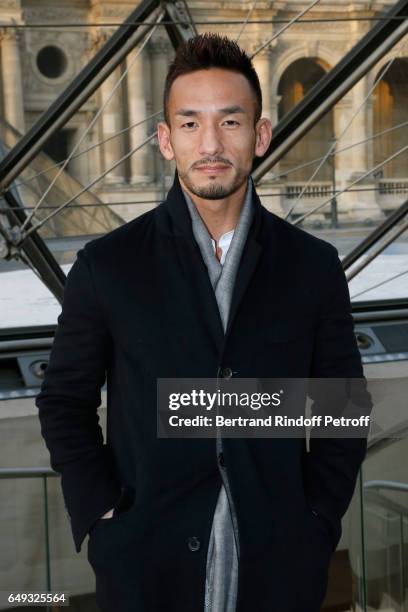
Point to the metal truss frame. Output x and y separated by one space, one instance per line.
180 26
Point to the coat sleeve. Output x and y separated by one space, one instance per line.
68 400
332 464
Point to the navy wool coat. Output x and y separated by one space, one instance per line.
138 305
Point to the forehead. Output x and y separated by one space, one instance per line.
211 89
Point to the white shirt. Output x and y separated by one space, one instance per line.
223 243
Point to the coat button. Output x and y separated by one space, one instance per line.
225 372
194 543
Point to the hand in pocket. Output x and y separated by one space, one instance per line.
108 514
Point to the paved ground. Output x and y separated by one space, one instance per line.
24 301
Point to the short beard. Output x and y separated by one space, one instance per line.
215 192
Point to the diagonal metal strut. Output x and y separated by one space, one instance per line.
179 26
334 85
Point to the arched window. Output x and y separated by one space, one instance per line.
390 109
294 84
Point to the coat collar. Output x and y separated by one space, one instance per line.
176 208
174 220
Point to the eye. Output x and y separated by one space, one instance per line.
231 122
189 124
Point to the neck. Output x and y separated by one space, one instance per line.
219 216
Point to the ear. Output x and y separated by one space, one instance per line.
163 136
263 131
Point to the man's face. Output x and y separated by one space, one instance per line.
211 133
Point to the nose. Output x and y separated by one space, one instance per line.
210 141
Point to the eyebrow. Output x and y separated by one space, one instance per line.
228 110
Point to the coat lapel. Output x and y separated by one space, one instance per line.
174 220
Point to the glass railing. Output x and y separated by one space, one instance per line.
378 531
37 552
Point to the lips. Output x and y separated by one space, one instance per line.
212 169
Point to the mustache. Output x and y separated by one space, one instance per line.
212 160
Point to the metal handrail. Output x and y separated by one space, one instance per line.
393 485
44 473
29 472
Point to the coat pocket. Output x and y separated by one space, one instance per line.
122 509
111 540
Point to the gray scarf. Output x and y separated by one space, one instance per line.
223 551
222 277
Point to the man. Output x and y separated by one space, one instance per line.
209 284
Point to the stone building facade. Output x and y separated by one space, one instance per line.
38 63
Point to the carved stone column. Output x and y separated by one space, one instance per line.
364 205
274 106
262 64
111 120
13 101
359 127
160 57
343 161
359 206
138 73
